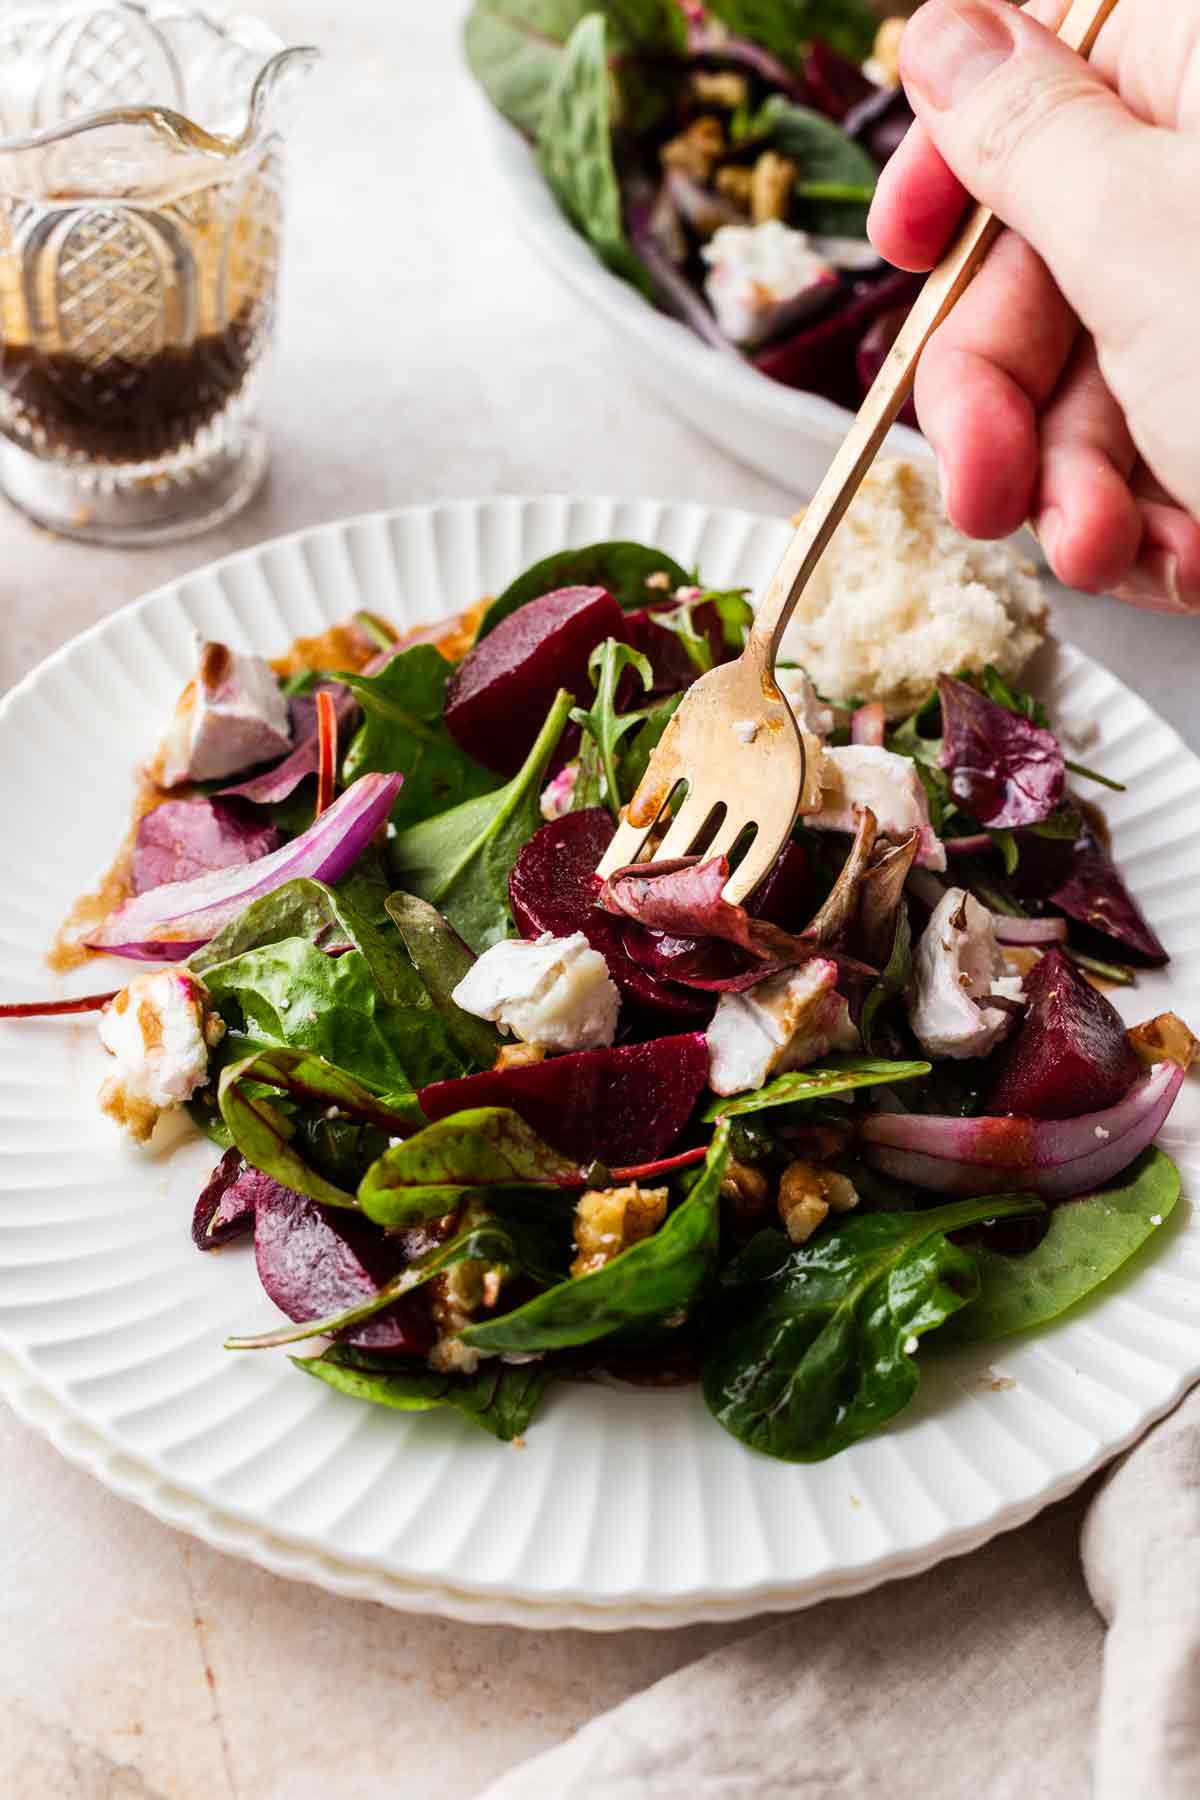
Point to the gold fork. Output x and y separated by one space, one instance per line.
734 739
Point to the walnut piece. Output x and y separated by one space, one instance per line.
1164 1039
609 1220
772 183
518 1056
885 56
721 87
808 1194
735 184
695 150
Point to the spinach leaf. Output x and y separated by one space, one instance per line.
837 177
330 919
403 728
820 1346
575 149
460 860
785 26
603 726
840 1075
499 1398
636 759
428 1174
514 47
263 1133
289 993
1089 1239
645 1284
441 960
893 979
625 569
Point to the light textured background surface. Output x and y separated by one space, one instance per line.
420 357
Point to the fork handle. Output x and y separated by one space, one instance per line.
892 386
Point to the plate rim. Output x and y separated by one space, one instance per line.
503 1601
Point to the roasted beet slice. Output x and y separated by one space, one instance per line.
1095 895
184 838
1071 1054
820 358
672 667
225 1208
501 691
620 1106
316 1260
553 888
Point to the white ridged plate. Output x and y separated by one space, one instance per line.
626 1507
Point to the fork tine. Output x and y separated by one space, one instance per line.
624 849
750 871
685 827
728 833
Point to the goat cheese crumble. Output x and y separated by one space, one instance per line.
957 966
551 991
160 1030
785 1022
762 278
854 776
231 715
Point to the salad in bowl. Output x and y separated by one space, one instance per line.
489 1126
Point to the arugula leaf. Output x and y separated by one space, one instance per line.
514 47
403 728
636 759
648 1283
1089 1239
499 1398
263 1133
1006 843
428 1174
460 860
288 993
820 1352
840 1075
442 959
624 568
604 726
785 26
575 149
893 979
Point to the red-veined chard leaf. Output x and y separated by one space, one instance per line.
499 1398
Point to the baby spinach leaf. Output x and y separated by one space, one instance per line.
330 919
839 1075
442 959
821 1342
604 727
785 26
460 860
289 993
646 1283
499 1398
625 569
893 979
823 151
1089 1239
403 729
263 1133
431 1172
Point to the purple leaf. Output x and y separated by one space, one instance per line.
184 838
1004 770
225 1208
275 784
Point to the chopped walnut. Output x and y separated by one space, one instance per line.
772 184
721 87
819 1143
808 1194
884 64
456 1298
518 1056
735 184
695 150
660 580
1164 1039
609 1220
746 1192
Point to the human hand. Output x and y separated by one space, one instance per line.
1064 388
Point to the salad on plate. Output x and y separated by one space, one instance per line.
488 1125
720 156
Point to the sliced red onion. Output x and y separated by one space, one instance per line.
1028 931
704 40
168 923
868 724
975 845
277 783
1051 1157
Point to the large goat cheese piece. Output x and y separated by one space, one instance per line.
786 1022
230 717
957 967
552 991
801 696
854 776
762 278
160 1030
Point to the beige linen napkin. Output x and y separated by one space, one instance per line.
992 1675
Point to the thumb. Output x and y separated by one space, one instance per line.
1032 131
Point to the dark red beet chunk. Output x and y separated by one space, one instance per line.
835 84
316 1260
1071 1055
553 888
1095 895
184 838
620 1106
501 692
225 1209
873 353
821 358
673 668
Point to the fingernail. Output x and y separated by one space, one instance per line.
1153 584
951 47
